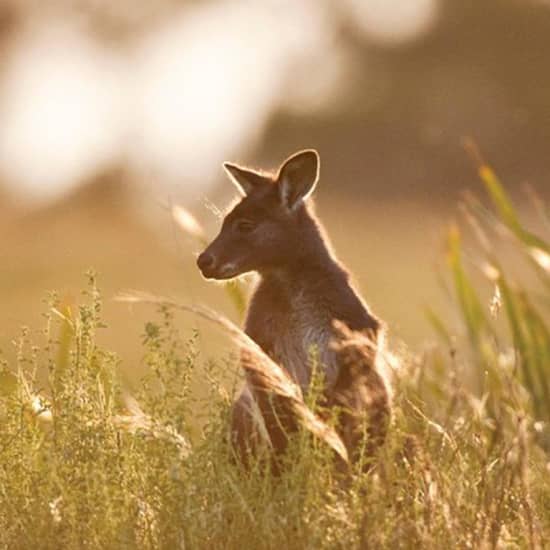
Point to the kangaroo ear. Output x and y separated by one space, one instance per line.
298 177
245 180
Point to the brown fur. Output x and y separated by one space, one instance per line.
303 302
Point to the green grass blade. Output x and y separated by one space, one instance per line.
470 305
506 211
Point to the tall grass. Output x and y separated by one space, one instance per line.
525 347
84 464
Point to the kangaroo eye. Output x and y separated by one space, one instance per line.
244 226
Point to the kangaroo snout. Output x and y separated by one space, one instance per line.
206 262
214 267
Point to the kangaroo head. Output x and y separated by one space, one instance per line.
264 230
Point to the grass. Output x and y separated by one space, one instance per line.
84 464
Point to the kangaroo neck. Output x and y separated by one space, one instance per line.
310 267
308 251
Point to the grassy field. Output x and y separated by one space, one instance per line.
87 462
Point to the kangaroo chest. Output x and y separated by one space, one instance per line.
294 330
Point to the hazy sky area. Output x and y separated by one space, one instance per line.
172 99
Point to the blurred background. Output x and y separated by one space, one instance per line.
112 112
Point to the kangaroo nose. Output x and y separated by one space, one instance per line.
205 261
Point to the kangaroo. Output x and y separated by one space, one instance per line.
304 300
